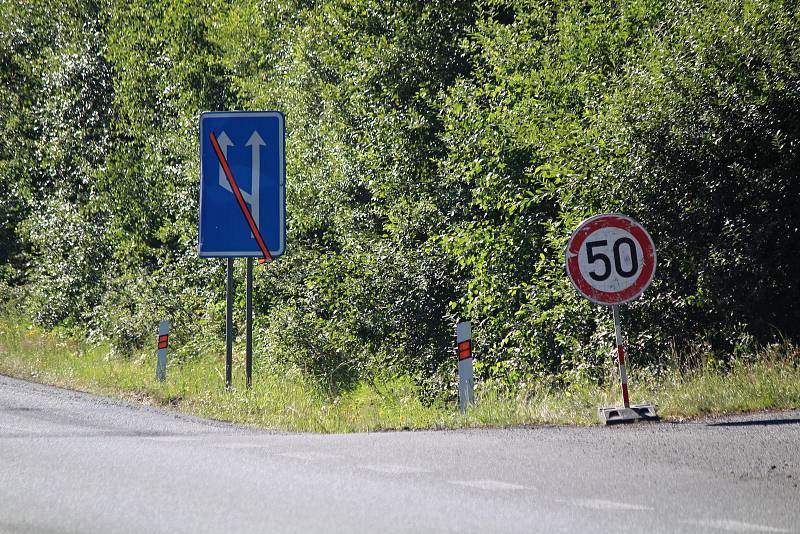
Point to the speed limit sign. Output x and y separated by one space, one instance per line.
611 259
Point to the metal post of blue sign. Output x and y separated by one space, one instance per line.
242 201
248 351
229 323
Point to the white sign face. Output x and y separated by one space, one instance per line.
610 259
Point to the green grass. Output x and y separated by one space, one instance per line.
771 380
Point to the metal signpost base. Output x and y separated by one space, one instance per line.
636 412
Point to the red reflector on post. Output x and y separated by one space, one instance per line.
162 342
465 350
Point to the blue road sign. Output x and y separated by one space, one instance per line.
252 143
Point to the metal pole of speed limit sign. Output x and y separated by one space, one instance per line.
623 376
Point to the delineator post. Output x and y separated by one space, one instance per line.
163 342
466 376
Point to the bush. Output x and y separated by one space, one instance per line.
439 155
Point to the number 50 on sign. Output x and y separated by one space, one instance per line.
611 259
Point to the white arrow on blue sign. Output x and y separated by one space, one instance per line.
253 143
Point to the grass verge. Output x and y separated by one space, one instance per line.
767 380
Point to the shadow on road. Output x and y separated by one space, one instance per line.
761 422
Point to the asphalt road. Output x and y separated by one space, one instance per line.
72 462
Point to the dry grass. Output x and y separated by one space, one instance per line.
768 379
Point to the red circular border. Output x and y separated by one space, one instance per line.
648 262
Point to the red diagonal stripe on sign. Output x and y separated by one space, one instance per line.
240 199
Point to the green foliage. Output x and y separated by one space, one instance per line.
712 133
438 156
359 83
528 143
56 138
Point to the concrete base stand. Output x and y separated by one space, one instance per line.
637 412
